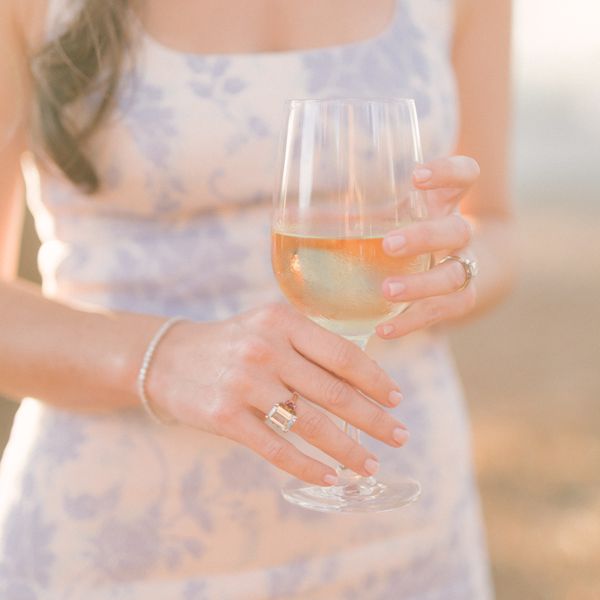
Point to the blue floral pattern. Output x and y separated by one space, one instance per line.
396 66
111 506
26 553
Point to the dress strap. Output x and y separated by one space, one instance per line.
436 17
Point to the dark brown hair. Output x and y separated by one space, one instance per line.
86 59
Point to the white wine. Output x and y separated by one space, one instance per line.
337 282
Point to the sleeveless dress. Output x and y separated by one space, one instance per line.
113 506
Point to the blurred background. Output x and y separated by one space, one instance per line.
532 367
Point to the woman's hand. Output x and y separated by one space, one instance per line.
224 377
436 295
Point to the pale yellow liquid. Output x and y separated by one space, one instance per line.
337 282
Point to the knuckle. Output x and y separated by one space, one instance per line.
462 230
276 453
377 376
473 166
235 381
466 165
456 275
222 414
352 455
343 355
313 426
336 392
379 420
426 236
253 349
271 315
432 313
307 472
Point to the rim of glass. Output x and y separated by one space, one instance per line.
350 100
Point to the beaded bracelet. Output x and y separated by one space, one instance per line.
141 379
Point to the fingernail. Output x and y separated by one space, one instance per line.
395 398
396 288
330 479
371 466
395 243
386 329
422 174
400 435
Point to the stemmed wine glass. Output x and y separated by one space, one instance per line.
345 180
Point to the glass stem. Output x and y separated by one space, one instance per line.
353 432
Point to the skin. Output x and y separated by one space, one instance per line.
88 360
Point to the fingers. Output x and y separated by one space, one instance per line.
256 435
437 292
453 172
424 237
340 398
344 359
319 430
428 312
442 279
263 364
446 181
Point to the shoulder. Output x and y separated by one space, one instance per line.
25 19
21 33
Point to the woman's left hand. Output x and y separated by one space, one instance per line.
435 295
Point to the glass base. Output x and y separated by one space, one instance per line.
354 493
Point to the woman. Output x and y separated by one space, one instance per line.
153 125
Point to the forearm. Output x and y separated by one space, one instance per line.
72 358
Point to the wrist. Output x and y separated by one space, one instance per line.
134 333
160 417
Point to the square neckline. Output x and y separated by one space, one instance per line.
151 40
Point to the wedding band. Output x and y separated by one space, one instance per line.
470 267
283 414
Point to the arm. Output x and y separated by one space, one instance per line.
482 64
46 348
481 60
220 377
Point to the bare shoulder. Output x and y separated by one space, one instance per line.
21 32
25 19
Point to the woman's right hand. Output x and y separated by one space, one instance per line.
223 377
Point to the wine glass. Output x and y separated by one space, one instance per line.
345 180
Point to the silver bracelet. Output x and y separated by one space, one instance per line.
141 378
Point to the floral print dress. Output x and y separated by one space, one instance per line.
113 506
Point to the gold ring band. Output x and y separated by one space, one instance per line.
470 267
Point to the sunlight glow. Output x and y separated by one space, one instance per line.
554 37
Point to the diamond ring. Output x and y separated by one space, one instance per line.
283 414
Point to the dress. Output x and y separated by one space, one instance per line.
113 506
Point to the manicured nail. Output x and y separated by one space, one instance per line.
330 479
371 466
386 329
400 435
395 288
395 243
395 398
422 174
